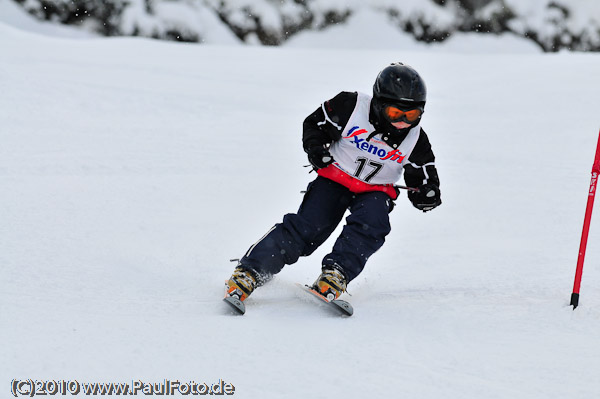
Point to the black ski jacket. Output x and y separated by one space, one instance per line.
420 168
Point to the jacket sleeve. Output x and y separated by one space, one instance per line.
326 124
420 168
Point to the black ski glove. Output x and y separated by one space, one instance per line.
319 157
427 198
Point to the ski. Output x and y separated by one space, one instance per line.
338 305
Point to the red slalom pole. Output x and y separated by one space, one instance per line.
586 226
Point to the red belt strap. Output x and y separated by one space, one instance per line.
331 172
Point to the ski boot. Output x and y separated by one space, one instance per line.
331 283
239 286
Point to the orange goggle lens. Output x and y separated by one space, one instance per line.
395 114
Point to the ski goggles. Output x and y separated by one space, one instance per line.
395 114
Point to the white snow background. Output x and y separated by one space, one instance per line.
132 170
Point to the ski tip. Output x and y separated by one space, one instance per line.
235 304
344 306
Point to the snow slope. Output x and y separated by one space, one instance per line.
133 170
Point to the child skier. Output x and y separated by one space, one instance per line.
360 146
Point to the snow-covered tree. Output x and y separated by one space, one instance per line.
552 24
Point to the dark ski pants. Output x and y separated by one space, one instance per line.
322 209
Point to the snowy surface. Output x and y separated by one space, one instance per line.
132 171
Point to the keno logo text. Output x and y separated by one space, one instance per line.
363 145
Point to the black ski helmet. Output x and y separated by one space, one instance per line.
401 85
